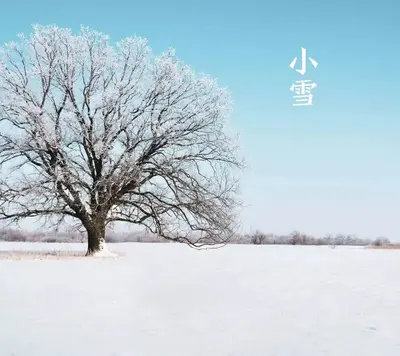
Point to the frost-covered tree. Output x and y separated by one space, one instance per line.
104 133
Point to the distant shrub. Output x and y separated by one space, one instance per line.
381 241
49 240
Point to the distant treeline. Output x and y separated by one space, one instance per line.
256 238
297 238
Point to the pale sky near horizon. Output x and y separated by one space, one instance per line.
332 167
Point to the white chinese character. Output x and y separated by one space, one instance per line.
302 71
303 90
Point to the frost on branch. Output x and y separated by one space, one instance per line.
104 134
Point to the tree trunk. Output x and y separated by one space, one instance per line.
96 238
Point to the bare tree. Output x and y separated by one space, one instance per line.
258 238
102 133
295 238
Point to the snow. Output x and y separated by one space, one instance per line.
104 253
171 300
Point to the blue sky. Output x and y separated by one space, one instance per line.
327 168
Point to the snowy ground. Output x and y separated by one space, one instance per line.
170 300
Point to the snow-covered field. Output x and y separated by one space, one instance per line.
170 300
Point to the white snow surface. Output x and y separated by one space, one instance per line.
171 300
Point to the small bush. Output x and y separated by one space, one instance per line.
49 240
